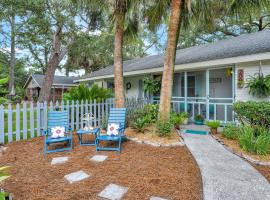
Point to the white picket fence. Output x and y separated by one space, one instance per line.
27 120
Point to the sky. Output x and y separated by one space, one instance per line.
23 53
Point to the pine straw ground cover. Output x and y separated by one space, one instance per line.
147 171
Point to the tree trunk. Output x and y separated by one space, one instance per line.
118 61
11 87
167 77
45 93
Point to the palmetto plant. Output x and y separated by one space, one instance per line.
82 92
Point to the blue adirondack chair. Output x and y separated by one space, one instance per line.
57 118
117 115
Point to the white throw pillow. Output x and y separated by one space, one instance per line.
58 132
113 129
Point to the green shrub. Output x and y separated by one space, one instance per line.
140 124
213 124
230 131
82 92
4 100
164 129
176 119
184 115
4 174
250 143
152 111
253 113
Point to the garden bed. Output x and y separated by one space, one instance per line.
149 137
261 163
169 172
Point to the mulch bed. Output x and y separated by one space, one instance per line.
234 145
169 172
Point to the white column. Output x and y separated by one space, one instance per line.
207 93
185 88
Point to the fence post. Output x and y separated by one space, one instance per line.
51 106
82 105
77 114
2 133
18 128
38 119
32 120
91 111
45 115
95 113
9 123
72 115
24 121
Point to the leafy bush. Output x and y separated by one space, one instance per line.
230 131
82 92
253 113
4 100
213 124
151 84
259 85
152 111
250 143
140 124
176 119
149 112
184 115
164 129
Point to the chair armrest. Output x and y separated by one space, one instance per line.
98 131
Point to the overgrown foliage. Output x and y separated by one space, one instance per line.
176 119
253 113
82 92
250 142
213 124
259 85
230 131
151 85
164 129
4 174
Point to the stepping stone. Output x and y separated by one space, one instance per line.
59 160
99 158
157 198
113 192
76 176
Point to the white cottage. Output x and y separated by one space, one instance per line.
208 78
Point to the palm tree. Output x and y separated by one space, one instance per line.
125 22
169 60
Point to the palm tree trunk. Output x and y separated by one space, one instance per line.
167 77
11 87
118 61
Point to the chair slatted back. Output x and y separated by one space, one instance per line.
118 115
58 118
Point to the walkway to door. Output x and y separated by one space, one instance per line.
225 175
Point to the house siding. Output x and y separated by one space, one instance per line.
250 68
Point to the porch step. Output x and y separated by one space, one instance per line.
195 129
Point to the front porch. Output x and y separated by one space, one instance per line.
208 92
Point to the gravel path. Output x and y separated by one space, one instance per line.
225 175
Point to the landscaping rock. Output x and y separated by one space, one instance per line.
59 160
113 192
157 198
99 158
76 176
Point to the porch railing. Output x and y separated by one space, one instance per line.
27 120
218 108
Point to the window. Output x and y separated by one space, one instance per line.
190 86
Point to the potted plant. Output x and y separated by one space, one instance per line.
184 116
199 119
213 125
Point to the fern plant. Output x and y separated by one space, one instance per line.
259 85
